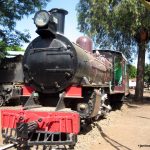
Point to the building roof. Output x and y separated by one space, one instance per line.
11 54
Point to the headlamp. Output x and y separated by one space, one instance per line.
41 18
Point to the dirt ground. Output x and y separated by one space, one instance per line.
125 129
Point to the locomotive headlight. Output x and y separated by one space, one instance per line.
41 18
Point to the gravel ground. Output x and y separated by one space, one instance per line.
125 129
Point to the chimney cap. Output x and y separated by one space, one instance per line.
59 10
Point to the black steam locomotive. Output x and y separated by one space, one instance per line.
72 85
11 77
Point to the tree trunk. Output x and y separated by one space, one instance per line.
140 72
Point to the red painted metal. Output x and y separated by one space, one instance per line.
74 91
64 122
27 90
120 88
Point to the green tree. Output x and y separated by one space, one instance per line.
119 24
132 71
6 47
10 12
147 74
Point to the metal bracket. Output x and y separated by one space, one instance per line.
32 102
60 104
85 81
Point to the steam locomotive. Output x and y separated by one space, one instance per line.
11 77
71 85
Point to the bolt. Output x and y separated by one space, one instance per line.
40 120
21 118
68 46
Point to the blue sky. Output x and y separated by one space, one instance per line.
70 22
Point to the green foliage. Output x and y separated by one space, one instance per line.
113 23
5 47
10 12
147 73
132 71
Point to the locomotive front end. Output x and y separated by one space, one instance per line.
49 65
49 61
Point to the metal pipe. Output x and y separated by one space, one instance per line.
8 146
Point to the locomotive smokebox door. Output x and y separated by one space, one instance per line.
49 64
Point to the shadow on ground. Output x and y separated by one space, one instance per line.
112 142
131 101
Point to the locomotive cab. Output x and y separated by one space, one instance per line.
119 78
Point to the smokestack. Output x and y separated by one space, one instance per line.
60 15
